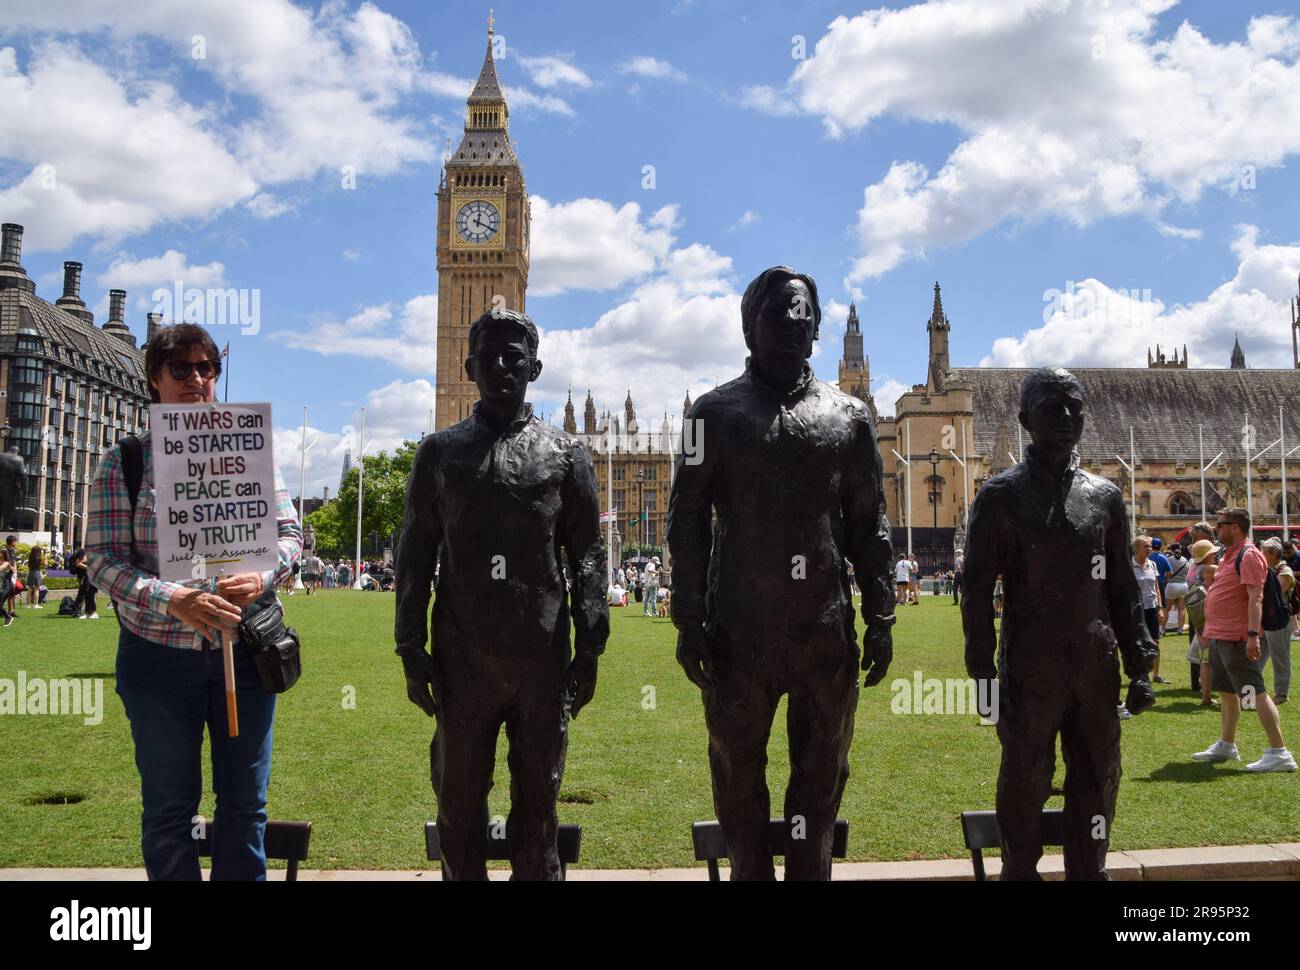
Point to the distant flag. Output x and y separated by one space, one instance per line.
226 351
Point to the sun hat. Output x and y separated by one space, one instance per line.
1201 549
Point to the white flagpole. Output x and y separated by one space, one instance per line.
1245 444
361 481
1281 430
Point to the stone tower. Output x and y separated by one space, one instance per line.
482 236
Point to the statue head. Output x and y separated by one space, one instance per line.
503 356
781 317
1051 409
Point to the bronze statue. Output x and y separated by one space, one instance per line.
13 485
1058 537
501 503
761 600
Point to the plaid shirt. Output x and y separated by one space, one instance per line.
129 572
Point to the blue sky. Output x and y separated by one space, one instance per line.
1139 149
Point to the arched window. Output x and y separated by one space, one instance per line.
1180 503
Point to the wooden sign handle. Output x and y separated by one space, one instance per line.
228 661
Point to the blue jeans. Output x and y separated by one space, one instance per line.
170 694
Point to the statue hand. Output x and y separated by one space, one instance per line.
877 654
694 653
421 676
582 682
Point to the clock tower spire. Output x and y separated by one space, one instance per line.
482 234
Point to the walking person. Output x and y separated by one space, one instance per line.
958 566
1176 589
651 607
1276 617
1201 575
35 576
7 575
12 557
914 580
84 602
1233 614
902 579
170 671
1148 578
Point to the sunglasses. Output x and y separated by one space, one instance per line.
181 369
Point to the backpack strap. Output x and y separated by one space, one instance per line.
132 466
133 472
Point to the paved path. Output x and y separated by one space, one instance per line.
1255 862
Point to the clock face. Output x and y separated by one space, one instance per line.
478 221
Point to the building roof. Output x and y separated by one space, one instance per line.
1164 408
67 339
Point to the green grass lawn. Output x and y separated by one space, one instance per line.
636 777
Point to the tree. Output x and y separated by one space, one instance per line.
385 495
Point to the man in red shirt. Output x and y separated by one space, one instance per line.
1233 611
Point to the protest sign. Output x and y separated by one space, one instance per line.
214 473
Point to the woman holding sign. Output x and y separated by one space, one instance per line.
170 662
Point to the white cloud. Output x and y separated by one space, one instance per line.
587 244
886 396
524 100
316 90
264 205
678 330
551 71
351 255
408 341
396 412
767 100
1094 325
1177 232
748 218
1116 121
140 277
651 67
137 156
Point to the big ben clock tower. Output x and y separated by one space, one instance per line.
483 221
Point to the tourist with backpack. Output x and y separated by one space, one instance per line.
1276 618
1233 614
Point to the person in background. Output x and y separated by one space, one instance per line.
1148 578
7 575
1292 556
1176 589
902 579
1200 576
35 576
958 566
11 550
1233 611
914 580
1163 569
170 673
84 602
651 606
1276 617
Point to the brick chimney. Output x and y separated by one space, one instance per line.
12 274
151 327
115 325
70 301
